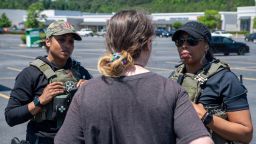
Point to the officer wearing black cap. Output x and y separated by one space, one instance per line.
195 29
219 98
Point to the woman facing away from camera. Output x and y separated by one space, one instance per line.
129 104
219 98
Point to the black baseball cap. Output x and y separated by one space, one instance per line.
195 29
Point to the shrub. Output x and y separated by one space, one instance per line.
42 35
23 38
239 32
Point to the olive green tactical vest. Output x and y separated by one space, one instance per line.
57 108
193 83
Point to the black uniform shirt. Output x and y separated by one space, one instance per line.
225 87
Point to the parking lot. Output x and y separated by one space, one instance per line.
13 58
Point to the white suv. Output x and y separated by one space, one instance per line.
101 32
85 32
222 33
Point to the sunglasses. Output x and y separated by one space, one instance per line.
190 41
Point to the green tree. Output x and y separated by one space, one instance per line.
177 24
33 15
211 19
4 21
116 5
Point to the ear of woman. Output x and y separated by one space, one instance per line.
47 42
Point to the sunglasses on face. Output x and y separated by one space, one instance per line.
190 41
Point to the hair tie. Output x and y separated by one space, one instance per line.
124 61
117 56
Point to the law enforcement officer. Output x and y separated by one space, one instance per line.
43 90
218 96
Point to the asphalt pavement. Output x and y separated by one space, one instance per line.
14 57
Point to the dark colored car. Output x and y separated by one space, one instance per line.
220 44
250 37
162 33
172 32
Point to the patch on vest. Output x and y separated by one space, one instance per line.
69 85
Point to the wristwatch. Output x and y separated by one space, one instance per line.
207 119
37 102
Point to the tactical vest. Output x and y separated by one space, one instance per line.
57 108
193 84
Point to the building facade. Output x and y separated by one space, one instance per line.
240 20
245 16
98 21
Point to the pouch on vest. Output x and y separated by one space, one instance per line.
191 86
57 108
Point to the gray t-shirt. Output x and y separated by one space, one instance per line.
141 109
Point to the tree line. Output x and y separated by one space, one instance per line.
107 6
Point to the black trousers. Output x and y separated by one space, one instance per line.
34 139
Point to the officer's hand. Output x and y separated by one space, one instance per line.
50 91
199 109
81 82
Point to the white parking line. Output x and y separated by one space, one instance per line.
7 78
14 69
246 78
19 70
91 53
17 55
172 62
243 69
162 69
4 96
91 69
239 62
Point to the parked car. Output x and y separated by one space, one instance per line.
172 32
162 33
222 33
85 32
220 44
101 32
250 37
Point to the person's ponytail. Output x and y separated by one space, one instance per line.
114 65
